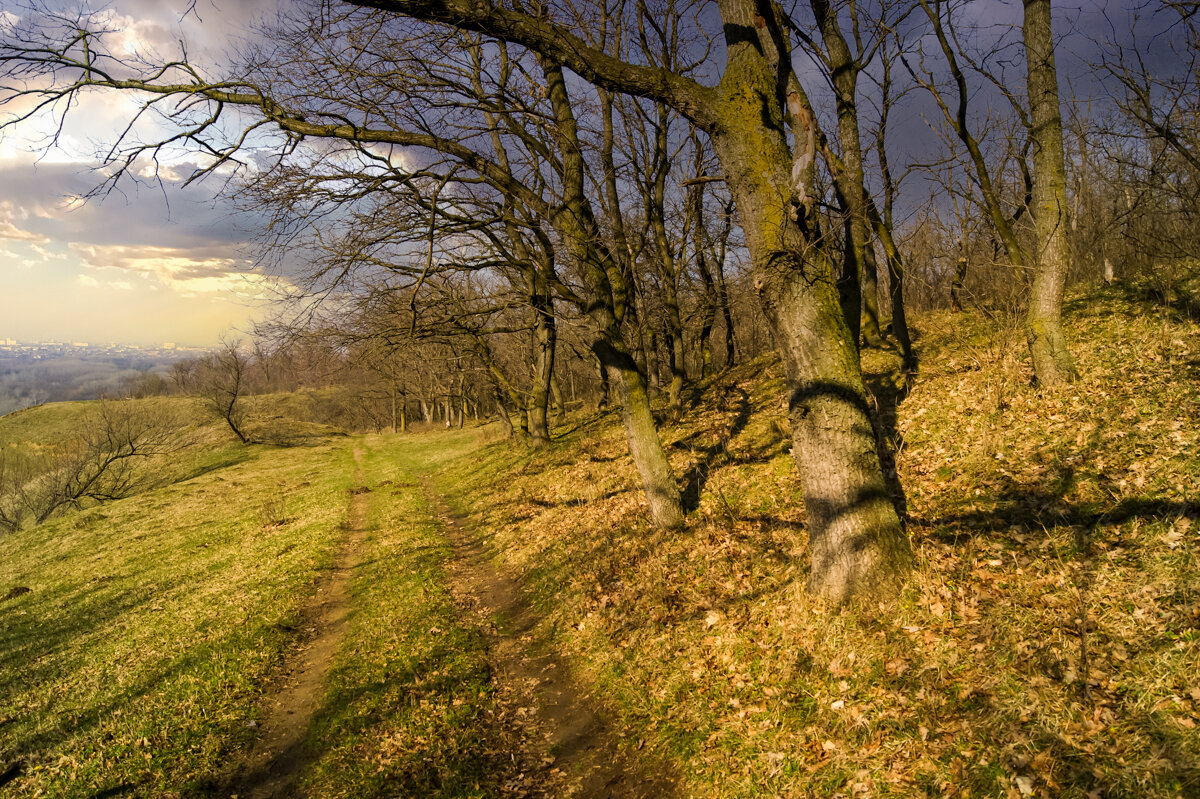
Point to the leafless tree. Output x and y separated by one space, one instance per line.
98 461
751 114
222 385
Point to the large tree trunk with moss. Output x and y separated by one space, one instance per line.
1052 361
858 546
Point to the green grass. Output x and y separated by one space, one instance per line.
137 659
1046 644
410 707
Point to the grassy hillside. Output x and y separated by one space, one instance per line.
135 657
1046 646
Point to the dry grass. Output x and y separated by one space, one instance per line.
1046 646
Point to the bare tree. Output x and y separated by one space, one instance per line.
222 385
752 112
96 462
1047 257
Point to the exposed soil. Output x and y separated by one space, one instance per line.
270 770
567 750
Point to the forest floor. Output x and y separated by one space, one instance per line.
502 621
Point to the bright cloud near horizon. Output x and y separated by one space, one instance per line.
145 266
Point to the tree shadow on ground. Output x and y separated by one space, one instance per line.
716 454
887 391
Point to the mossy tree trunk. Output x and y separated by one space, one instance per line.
1052 361
858 546
576 224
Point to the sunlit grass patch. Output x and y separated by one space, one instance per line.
136 659
409 709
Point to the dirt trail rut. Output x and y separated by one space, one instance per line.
568 751
271 769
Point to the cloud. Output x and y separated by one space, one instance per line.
87 281
188 273
8 230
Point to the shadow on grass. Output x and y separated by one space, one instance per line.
716 454
232 459
453 747
1045 505
889 390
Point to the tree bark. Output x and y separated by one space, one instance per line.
576 224
859 286
505 420
544 340
1052 361
658 481
858 546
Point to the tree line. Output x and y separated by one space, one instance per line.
495 207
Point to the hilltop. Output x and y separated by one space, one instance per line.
1045 646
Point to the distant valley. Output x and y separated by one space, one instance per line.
36 373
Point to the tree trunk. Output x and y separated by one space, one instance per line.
544 341
560 405
872 332
708 316
675 363
727 315
658 481
895 265
652 361
576 224
505 420
859 286
1052 361
858 546
956 285
849 281
605 387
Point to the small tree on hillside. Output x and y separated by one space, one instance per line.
96 462
221 385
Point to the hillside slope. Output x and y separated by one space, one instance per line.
1046 645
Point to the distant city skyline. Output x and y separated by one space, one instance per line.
10 342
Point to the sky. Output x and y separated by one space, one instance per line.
145 265
152 263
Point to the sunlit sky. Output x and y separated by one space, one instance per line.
144 266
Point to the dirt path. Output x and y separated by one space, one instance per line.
567 749
271 768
